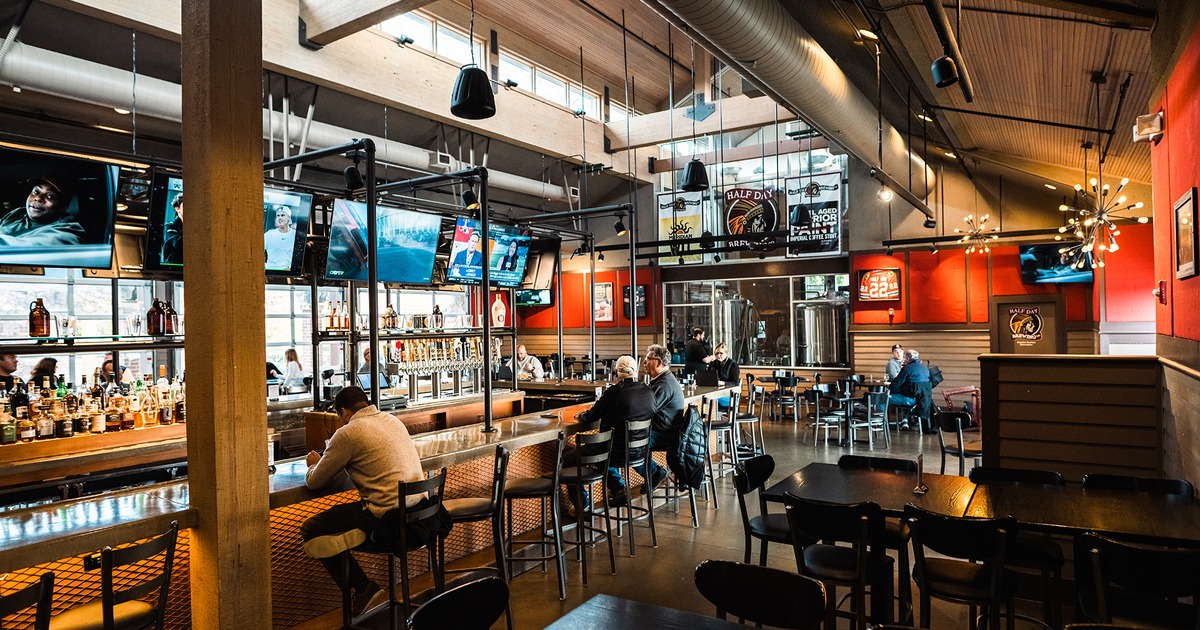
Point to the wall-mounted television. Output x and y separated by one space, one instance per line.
1043 263
535 297
284 226
56 211
508 248
407 243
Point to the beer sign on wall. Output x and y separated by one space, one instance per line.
680 216
814 206
750 213
878 285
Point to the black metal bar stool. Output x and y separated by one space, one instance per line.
590 468
637 457
542 489
37 594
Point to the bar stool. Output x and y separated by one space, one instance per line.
757 440
590 469
722 424
476 509
39 593
398 545
121 606
637 454
542 489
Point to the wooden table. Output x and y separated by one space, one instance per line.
606 611
948 494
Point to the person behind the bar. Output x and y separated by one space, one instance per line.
43 219
526 365
697 354
46 367
892 370
376 451
293 372
8 367
172 249
626 400
911 386
668 407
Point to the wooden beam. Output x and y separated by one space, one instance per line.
736 154
740 112
326 21
1103 9
223 272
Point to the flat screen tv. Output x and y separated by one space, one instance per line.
535 297
407 243
508 248
1043 263
56 211
284 227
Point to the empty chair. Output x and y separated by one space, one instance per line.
121 603
1031 550
765 596
37 594
750 475
969 568
476 509
783 398
472 606
857 566
952 422
1137 582
544 489
749 422
721 423
813 397
590 469
637 458
895 531
1154 485
871 414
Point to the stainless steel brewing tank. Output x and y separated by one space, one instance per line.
822 334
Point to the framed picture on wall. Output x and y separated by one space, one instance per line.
641 300
602 310
1185 235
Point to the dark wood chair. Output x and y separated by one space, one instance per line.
39 594
590 470
895 531
952 423
1031 550
1141 583
545 490
637 458
472 606
121 603
762 595
816 527
1154 485
748 476
477 509
969 567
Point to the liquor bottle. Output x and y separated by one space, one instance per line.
18 399
67 394
149 403
80 422
8 428
329 314
170 320
439 320
345 323
26 429
63 426
499 312
137 418
45 424
112 415
62 386
155 319
39 319
180 406
96 415
83 393
98 389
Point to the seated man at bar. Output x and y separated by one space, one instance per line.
910 387
892 369
626 400
668 407
375 466
8 367
365 368
525 365
697 354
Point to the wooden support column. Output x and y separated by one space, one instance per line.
223 280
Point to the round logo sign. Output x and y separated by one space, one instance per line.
750 213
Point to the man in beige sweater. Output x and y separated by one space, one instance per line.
375 450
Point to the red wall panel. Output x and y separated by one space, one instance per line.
540 316
877 312
1006 273
1180 149
977 278
1129 276
938 287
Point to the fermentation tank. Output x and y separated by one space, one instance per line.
821 329
736 324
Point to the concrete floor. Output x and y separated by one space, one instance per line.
663 575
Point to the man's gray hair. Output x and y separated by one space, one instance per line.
660 352
912 353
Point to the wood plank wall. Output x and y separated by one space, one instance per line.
1181 421
1073 414
956 352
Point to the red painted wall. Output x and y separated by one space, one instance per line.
1129 276
1176 168
577 311
877 312
940 281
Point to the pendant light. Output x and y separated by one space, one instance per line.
473 98
695 176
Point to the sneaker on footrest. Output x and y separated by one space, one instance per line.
367 599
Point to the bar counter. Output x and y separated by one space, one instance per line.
54 536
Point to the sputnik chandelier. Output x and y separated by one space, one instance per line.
977 236
1094 224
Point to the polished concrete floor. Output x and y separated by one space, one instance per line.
663 575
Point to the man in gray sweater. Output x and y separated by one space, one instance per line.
375 450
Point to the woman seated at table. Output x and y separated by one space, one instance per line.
726 368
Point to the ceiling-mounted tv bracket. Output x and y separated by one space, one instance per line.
303 36
700 110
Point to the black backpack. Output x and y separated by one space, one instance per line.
935 376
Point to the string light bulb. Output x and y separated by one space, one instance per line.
977 236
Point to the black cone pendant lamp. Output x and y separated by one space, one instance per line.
695 177
473 98
945 72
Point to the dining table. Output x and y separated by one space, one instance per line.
606 611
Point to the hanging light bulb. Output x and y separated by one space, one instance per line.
472 98
695 177
885 194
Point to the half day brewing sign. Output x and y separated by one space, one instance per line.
750 212
1025 324
680 216
814 206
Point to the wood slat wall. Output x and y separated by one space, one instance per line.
1073 414
1181 421
956 352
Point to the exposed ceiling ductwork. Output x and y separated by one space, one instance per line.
761 41
77 79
